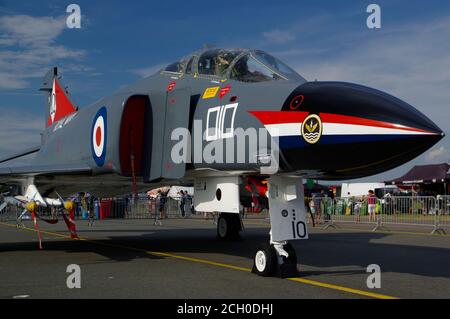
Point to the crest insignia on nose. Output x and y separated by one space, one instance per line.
312 129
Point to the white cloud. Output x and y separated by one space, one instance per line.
283 37
29 48
10 81
19 131
278 36
144 72
28 30
439 155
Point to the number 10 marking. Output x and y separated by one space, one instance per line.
297 231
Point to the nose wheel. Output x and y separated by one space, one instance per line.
265 261
228 226
275 260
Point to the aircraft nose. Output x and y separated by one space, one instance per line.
348 130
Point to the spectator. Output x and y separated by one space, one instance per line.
312 210
188 203
388 209
372 204
151 205
77 202
91 216
84 205
162 198
182 203
358 205
317 198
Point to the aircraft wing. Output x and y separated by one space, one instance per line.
26 152
8 172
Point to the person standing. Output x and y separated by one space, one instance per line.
92 207
77 202
312 211
84 206
162 197
358 205
188 204
318 206
182 204
372 204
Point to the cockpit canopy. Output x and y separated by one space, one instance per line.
240 65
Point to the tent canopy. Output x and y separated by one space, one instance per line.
175 190
420 174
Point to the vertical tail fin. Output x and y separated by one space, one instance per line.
59 104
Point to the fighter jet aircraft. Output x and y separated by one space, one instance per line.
134 139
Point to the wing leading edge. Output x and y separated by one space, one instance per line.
26 152
32 170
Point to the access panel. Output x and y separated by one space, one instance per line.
177 118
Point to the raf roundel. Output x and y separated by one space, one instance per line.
98 136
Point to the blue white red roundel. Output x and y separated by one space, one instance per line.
98 136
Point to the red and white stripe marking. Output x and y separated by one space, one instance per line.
286 123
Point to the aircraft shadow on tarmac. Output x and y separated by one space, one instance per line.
322 250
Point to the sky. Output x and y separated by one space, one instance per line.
120 42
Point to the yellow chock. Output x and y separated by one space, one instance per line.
68 205
31 206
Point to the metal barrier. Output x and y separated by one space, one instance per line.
10 214
149 208
424 211
394 210
443 206
414 210
13 213
127 208
348 210
143 208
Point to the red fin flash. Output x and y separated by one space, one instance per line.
60 105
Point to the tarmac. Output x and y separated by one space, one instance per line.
182 259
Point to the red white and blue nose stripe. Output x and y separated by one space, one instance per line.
99 137
336 128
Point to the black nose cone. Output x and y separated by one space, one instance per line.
360 131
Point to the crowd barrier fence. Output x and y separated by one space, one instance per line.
424 211
427 211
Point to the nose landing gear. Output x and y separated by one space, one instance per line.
275 260
288 222
265 261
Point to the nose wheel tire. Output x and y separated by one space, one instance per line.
265 261
292 259
228 226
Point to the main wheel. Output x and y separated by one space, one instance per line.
228 226
265 261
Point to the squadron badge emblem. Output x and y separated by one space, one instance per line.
312 129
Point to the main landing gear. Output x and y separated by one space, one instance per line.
228 226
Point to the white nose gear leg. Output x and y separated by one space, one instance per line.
288 222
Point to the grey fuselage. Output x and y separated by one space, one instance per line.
140 121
